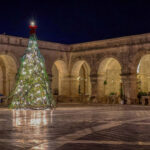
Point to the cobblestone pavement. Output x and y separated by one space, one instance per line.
116 127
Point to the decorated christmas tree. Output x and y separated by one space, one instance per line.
32 85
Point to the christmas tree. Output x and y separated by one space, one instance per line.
32 85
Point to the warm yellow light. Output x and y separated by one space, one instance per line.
32 23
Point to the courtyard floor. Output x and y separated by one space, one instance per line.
105 127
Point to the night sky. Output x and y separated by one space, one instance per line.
75 21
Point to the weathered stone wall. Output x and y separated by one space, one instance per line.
68 59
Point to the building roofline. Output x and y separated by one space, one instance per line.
23 42
99 44
120 41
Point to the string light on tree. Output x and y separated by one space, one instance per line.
32 85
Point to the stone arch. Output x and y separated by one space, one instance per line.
12 56
59 75
117 58
136 60
143 74
109 79
80 74
8 72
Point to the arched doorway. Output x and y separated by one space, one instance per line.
8 70
83 76
143 74
55 80
2 72
109 81
59 74
80 84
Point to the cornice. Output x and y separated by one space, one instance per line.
87 46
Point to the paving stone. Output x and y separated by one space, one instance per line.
103 127
102 147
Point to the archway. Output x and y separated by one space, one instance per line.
2 90
83 76
80 84
8 70
59 75
143 74
109 81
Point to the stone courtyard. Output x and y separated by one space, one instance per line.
89 82
76 127
86 71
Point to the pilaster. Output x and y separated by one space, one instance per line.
129 83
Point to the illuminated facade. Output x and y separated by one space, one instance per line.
91 71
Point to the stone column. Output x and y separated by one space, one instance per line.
94 86
65 85
5 91
50 79
129 83
101 87
74 84
12 80
4 76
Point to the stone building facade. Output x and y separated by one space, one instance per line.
90 71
